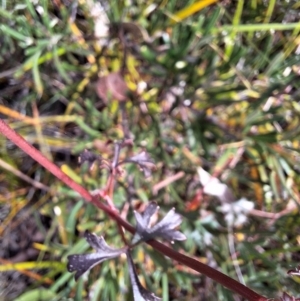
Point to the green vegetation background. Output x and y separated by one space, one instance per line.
216 89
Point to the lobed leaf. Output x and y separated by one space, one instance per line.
164 229
84 262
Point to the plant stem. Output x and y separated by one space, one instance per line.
212 273
219 277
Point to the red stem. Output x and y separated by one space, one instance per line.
219 277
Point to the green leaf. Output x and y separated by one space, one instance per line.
16 34
36 73
265 138
37 294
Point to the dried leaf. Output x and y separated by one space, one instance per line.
138 33
111 87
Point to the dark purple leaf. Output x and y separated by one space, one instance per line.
89 157
143 221
164 229
144 161
83 262
139 292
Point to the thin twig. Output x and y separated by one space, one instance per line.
22 176
167 182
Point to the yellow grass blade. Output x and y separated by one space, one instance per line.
190 10
31 265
